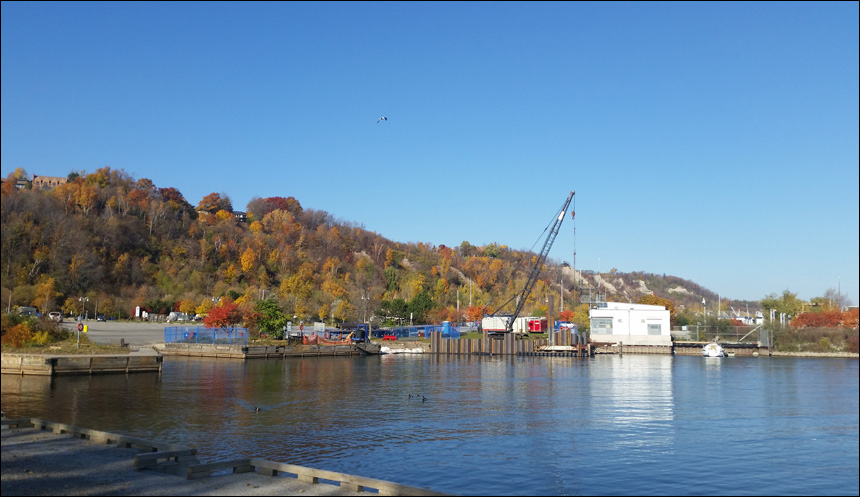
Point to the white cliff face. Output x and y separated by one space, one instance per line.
599 280
572 276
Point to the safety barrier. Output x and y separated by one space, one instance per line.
201 334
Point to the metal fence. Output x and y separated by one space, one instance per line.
448 330
204 335
745 334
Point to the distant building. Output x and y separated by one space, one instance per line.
632 324
240 216
47 182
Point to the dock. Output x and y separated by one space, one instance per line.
51 365
105 463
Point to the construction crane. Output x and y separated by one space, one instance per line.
535 271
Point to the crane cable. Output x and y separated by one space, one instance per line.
531 250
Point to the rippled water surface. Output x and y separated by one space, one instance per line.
644 425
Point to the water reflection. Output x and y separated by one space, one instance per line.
491 425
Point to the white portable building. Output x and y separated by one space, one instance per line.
632 324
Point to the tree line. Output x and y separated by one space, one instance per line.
107 243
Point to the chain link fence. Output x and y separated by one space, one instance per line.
204 335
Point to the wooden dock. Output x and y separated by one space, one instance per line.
507 344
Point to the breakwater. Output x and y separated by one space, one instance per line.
47 365
255 352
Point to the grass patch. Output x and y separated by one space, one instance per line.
68 346
816 340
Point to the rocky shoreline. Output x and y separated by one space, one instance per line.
837 355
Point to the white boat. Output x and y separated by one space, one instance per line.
389 350
713 349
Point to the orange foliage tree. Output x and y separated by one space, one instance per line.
225 315
826 319
850 318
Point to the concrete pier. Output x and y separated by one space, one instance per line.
47 458
47 365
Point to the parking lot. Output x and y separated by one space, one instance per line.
134 333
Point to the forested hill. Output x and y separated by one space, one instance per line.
121 242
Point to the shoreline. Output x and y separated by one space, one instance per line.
832 355
158 349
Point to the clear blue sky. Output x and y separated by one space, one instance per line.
716 142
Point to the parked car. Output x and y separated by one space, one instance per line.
178 316
28 311
101 317
56 316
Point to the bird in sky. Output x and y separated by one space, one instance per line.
383 118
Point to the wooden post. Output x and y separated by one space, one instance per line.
550 323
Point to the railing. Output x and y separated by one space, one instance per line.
725 334
448 330
204 335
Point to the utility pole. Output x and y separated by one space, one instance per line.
561 292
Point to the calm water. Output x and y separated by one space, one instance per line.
637 424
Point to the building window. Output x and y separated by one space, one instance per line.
655 329
601 326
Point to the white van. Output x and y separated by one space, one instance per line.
178 316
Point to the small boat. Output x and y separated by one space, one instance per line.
389 350
368 348
713 349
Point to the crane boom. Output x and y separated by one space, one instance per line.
533 275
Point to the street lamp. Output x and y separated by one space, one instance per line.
83 301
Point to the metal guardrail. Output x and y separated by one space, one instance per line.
204 335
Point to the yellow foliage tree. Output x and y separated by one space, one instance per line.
440 291
187 307
249 260
46 292
205 306
323 312
333 288
344 310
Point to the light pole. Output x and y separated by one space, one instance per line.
83 301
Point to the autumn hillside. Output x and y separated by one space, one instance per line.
121 242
